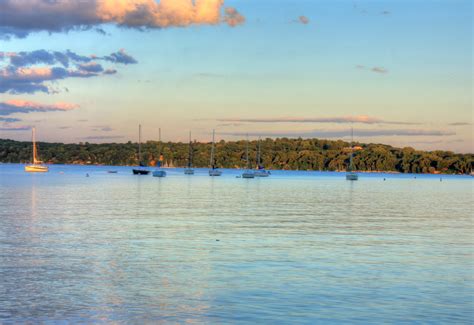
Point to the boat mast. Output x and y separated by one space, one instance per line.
212 149
352 150
258 154
33 135
247 152
190 154
139 144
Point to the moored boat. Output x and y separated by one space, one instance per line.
351 175
189 168
213 171
36 166
142 170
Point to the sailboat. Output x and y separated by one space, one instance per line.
36 167
350 175
247 173
260 172
158 172
140 171
213 171
189 169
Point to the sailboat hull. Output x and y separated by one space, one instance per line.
189 171
352 177
261 173
214 172
248 175
159 173
140 172
36 169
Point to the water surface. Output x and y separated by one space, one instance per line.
298 247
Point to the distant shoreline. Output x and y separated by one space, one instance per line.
276 154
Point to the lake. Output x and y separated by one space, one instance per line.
294 248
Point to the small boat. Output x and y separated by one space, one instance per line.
140 171
159 172
351 175
260 172
189 169
247 173
36 167
112 171
213 171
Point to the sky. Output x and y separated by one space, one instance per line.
397 72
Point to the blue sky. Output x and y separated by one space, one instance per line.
399 72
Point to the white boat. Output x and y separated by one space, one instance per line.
248 173
260 172
189 170
159 172
213 171
351 175
36 167
140 170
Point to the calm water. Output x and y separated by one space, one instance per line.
298 247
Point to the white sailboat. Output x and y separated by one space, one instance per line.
189 169
351 175
159 172
213 171
36 166
247 173
260 172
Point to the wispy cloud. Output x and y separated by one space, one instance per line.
364 119
373 69
460 124
21 106
14 128
9 119
103 137
19 18
341 133
102 128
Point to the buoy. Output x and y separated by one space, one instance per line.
87 175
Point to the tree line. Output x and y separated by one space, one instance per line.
282 153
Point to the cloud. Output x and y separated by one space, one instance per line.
21 106
21 17
9 119
29 72
103 128
460 124
120 57
364 119
341 133
379 70
303 20
14 128
233 17
103 137
93 67
373 69
25 59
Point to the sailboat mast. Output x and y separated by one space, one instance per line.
33 135
352 149
247 151
258 153
212 149
190 154
139 143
